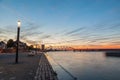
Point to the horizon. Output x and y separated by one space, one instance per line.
77 23
73 46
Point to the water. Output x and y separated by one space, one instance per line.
84 65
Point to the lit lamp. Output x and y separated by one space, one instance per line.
17 47
19 23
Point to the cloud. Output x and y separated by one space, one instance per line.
6 33
1 31
116 42
9 31
65 41
30 41
114 26
30 27
45 36
74 31
5 29
30 34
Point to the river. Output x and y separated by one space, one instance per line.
84 65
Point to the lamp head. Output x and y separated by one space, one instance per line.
19 23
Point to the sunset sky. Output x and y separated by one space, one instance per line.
62 22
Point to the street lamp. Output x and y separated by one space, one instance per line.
17 47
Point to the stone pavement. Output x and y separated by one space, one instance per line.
45 70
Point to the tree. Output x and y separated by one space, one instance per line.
30 47
10 43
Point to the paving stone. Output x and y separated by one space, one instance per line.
45 70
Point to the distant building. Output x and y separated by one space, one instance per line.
22 45
2 45
43 47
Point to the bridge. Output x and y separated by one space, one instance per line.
59 48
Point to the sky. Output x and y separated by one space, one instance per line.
61 22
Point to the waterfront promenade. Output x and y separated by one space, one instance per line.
24 70
45 70
34 67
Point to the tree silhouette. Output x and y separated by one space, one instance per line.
10 43
30 47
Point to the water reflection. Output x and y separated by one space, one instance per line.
85 65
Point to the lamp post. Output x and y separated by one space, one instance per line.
17 47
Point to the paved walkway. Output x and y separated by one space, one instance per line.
45 70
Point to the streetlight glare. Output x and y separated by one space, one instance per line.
19 23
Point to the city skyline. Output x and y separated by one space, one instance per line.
91 23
